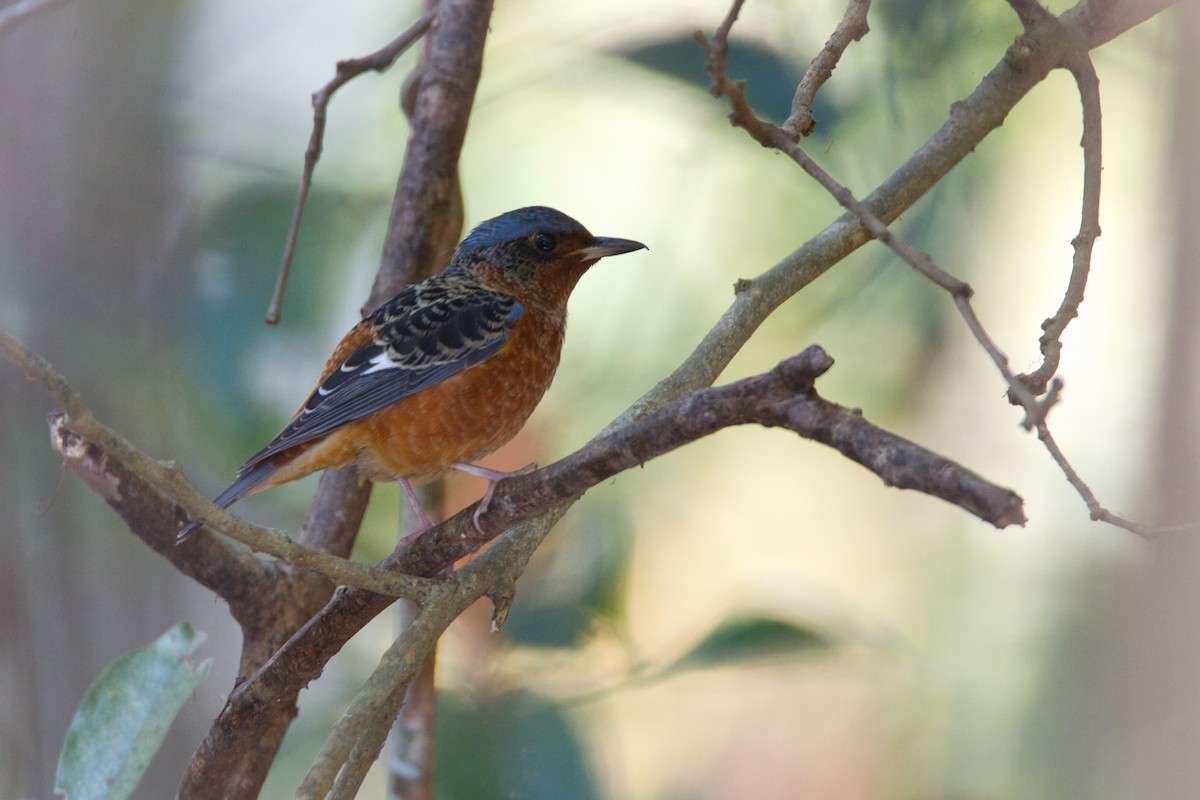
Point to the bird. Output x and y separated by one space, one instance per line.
446 371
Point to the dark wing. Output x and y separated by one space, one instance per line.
426 334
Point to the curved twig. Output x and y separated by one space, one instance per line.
852 28
347 71
1065 43
1080 65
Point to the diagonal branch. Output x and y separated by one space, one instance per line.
1069 48
153 498
784 397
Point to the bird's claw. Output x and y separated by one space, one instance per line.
493 477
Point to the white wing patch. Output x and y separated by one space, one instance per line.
379 361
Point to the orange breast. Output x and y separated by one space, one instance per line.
466 417
457 421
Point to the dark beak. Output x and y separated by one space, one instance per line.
603 246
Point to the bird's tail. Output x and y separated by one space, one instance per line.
244 485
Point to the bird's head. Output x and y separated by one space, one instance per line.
536 254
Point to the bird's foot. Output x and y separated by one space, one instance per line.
492 476
423 521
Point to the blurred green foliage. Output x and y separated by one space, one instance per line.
575 582
771 76
741 640
512 744
234 254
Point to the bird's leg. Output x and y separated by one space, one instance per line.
418 509
492 476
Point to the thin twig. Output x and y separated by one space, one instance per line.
347 71
1095 508
1080 65
772 136
41 372
852 28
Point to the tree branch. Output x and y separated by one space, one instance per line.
347 71
155 499
852 28
125 478
1050 342
1068 50
784 397
426 219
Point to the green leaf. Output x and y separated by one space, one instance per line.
124 716
513 744
771 75
740 639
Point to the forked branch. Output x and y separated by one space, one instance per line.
1071 50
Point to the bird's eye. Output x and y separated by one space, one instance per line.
544 242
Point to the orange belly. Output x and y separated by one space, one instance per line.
459 420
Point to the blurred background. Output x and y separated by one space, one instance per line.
750 616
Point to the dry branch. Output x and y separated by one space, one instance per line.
1068 47
347 70
154 499
783 397
426 214
800 121
1050 343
